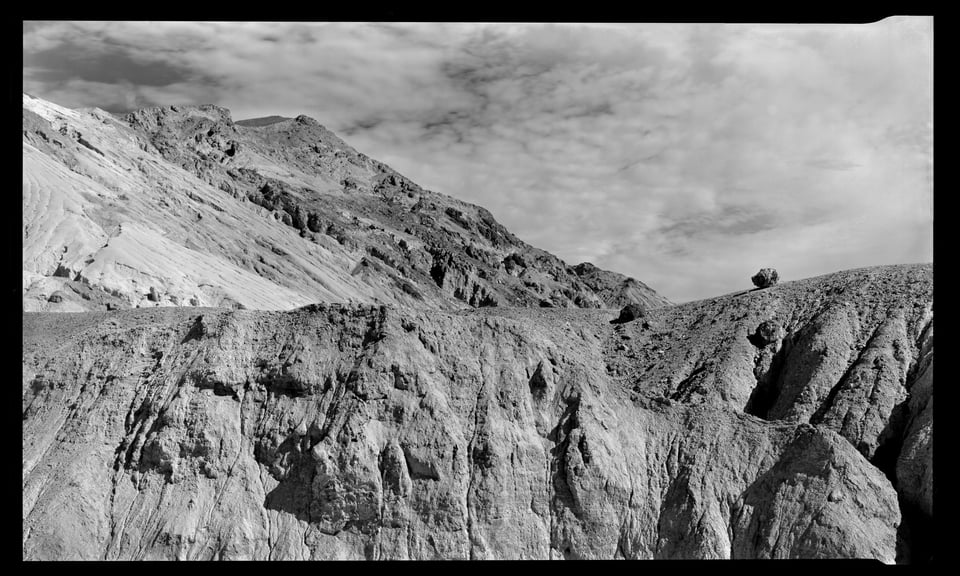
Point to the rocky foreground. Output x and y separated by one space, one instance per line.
789 422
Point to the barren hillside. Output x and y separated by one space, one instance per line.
180 206
790 422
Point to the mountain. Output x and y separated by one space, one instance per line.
284 349
181 206
789 422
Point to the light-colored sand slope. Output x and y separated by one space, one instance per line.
111 212
57 227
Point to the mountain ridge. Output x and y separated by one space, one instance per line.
344 226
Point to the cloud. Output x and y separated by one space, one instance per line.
683 155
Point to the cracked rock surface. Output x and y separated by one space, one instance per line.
389 432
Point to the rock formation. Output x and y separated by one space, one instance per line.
629 313
768 331
765 278
381 432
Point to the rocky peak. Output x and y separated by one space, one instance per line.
306 120
381 236
151 118
352 227
616 289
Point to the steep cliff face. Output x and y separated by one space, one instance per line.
382 432
181 206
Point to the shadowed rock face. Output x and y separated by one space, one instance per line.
181 206
374 432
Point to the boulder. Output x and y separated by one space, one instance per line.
768 331
765 278
629 312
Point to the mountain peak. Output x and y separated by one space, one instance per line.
185 207
178 113
304 119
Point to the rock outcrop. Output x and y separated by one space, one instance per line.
378 432
768 331
617 290
765 278
629 313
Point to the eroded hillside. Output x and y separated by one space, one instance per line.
348 431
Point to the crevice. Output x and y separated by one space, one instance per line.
919 358
470 465
197 331
621 553
375 329
437 273
121 462
223 488
684 388
827 402
83 142
915 535
890 441
551 495
767 389
148 522
418 469
147 413
916 531
263 489
334 399
113 498
562 493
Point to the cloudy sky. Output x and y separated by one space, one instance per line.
685 155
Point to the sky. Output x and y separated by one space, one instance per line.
687 156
